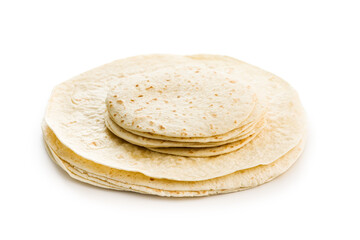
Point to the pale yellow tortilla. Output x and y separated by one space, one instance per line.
76 115
102 176
189 100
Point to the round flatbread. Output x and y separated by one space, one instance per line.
76 109
181 101
103 176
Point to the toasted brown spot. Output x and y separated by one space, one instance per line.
122 121
216 94
151 123
115 96
154 99
178 96
137 85
161 127
166 101
115 115
174 110
149 88
132 124
204 118
110 101
132 100
120 101
213 114
140 95
93 143
152 179
211 105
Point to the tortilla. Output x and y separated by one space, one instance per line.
181 101
100 175
76 109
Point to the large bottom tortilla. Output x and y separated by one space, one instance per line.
106 177
76 115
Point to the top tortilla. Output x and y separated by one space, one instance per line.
181 101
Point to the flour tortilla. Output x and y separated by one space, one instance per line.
181 101
156 143
97 174
76 115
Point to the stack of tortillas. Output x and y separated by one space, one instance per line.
175 125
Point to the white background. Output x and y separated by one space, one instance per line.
314 45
